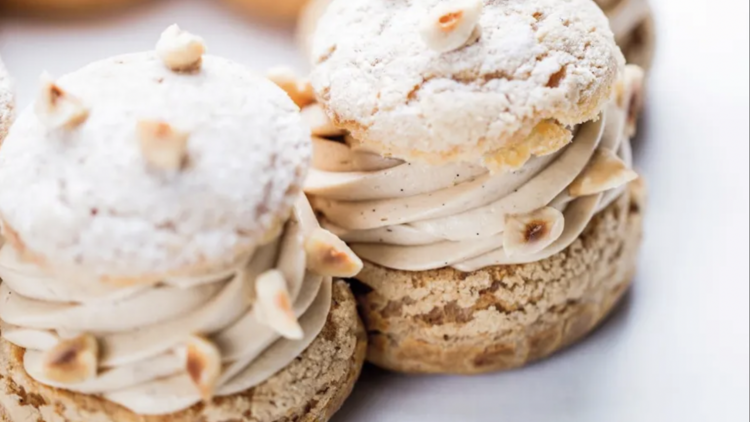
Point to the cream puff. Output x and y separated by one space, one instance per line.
160 262
475 154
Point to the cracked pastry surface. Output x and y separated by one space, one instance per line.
535 63
101 208
631 21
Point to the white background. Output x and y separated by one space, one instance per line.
678 348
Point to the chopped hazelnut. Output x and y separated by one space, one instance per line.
180 50
526 234
162 145
272 296
72 361
605 171
452 25
57 108
328 255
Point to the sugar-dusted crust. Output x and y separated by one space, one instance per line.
536 60
54 7
7 102
87 201
445 321
637 45
273 9
311 389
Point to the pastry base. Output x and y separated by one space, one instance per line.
449 322
311 389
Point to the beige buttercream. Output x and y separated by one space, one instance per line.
411 216
142 331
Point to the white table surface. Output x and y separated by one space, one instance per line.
678 348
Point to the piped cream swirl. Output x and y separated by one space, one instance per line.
415 217
142 331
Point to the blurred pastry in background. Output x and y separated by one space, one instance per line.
7 102
65 8
160 262
307 23
632 21
475 155
278 10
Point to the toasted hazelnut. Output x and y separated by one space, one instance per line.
180 50
272 296
526 234
452 25
299 90
319 123
162 145
605 171
72 361
548 137
57 108
327 255
507 159
203 365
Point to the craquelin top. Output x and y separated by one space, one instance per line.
85 199
534 61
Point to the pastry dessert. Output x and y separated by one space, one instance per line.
631 21
283 10
475 155
160 262
65 7
633 24
7 102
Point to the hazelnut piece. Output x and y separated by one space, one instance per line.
452 25
527 234
162 145
327 255
605 171
272 296
72 361
203 365
180 50
57 108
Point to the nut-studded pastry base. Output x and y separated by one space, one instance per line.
311 389
446 321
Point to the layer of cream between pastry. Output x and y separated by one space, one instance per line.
417 217
141 330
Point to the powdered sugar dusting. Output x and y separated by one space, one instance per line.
86 197
535 60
